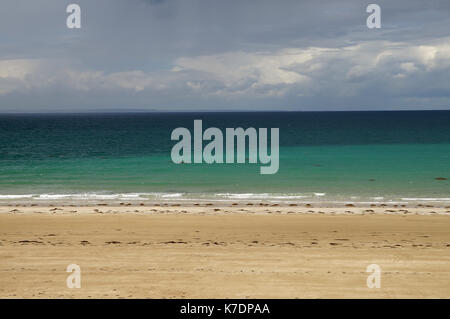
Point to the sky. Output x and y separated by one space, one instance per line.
224 55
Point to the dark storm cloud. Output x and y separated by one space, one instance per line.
210 54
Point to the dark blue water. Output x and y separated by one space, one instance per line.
339 154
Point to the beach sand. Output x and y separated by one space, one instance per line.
233 251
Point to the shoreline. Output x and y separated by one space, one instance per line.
235 207
222 252
190 199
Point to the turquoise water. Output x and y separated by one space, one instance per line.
323 155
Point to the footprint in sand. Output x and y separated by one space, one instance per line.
112 242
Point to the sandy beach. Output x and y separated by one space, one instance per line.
235 251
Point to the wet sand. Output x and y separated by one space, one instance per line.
237 251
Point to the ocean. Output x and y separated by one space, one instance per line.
324 156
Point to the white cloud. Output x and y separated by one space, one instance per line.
309 71
398 69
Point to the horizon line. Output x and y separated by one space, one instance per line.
212 111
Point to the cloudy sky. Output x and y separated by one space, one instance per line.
170 55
